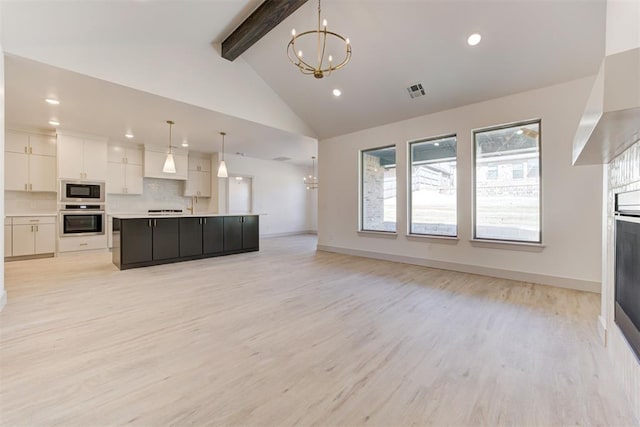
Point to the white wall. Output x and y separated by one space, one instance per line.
623 25
571 195
3 294
278 193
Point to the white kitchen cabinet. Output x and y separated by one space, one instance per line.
7 238
82 243
30 162
81 157
32 235
124 170
199 177
154 162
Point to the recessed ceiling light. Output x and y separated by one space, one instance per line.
337 92
474 39
238 178
128 135
520 132
437 144
54 123
52 101
185 144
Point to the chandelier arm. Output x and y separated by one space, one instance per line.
300 60
324 47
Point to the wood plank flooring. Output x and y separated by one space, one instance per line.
288 336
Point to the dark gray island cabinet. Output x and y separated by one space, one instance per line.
140 241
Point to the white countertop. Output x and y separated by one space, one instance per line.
175 215
8 215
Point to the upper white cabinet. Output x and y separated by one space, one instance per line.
82 157
155 157
199 176
124 170
30 162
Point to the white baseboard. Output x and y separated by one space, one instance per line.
3 299
602 330
541 279
290 233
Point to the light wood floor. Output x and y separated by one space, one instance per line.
288 336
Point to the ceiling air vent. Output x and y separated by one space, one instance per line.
281 159
416 90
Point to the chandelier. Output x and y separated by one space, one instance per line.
311 182
322 66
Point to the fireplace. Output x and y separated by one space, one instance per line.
627 269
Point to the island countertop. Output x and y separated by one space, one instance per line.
146 215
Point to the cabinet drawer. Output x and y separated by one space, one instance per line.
82 243
30 220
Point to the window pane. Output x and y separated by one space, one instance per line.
507 183
379 189
433 187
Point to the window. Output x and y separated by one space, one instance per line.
433 187
507 183
378 175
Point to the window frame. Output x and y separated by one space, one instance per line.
410 186
474 184
361 189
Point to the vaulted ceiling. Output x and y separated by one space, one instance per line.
170 48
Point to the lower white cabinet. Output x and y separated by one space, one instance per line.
32 235
82 243
8 246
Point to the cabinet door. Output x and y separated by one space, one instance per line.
42 145
45 238
133 178
116 154
250 233
7 241
190 236
16 171
199 164
70 163
153 163
166 240
42 173
95 160
15 142
133 156
23 239
191 186
212 235
116 178
136 243
232 233
204 180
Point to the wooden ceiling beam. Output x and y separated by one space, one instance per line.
266 17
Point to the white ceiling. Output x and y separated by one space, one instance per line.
526 44
106 109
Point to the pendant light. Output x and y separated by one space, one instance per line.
169 164
312 181
222 170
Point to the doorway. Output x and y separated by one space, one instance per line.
240 194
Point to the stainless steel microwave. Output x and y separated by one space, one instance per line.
82 191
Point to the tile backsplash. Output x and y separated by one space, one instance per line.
157 194
22 202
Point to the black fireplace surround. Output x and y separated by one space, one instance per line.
627 275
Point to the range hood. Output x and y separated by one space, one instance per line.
611 121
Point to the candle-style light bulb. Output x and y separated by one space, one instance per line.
324 24
300 54
348 42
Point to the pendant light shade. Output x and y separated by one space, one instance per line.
169 163
222 169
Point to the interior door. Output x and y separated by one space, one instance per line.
239 194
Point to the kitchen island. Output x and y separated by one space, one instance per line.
146 239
